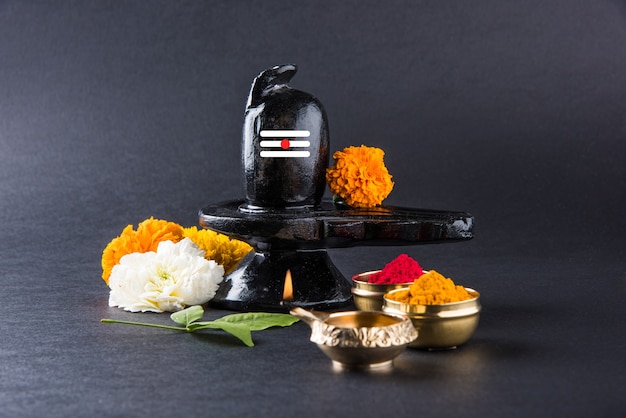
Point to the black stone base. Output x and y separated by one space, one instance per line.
297 239
258 283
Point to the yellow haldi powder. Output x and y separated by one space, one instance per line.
431 289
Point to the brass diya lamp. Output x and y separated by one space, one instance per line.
359 339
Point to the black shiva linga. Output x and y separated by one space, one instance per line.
285 154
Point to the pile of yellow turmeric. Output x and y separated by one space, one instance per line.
431 289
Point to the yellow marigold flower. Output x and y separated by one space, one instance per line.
146 238
219 247
359 176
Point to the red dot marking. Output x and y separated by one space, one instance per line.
284 144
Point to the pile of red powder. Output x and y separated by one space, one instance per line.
403 269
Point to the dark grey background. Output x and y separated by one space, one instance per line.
114 111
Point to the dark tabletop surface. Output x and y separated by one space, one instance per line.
514 111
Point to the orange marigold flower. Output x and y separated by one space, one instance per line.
146 238
219 247
359 176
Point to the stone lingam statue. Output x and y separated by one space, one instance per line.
285 152
285 144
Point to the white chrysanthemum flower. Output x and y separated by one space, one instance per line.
168 280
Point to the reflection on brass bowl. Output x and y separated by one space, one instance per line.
369 296
359 339
447 325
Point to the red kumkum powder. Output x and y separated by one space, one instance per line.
402 269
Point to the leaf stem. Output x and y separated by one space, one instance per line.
143 324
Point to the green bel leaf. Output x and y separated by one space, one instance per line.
241 325
260 320
187 316
238 330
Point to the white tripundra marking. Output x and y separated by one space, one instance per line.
294 154
279 144
287 133
285 144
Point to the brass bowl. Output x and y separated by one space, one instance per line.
369 296
442 326
359 339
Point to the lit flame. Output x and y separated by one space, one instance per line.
288 289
